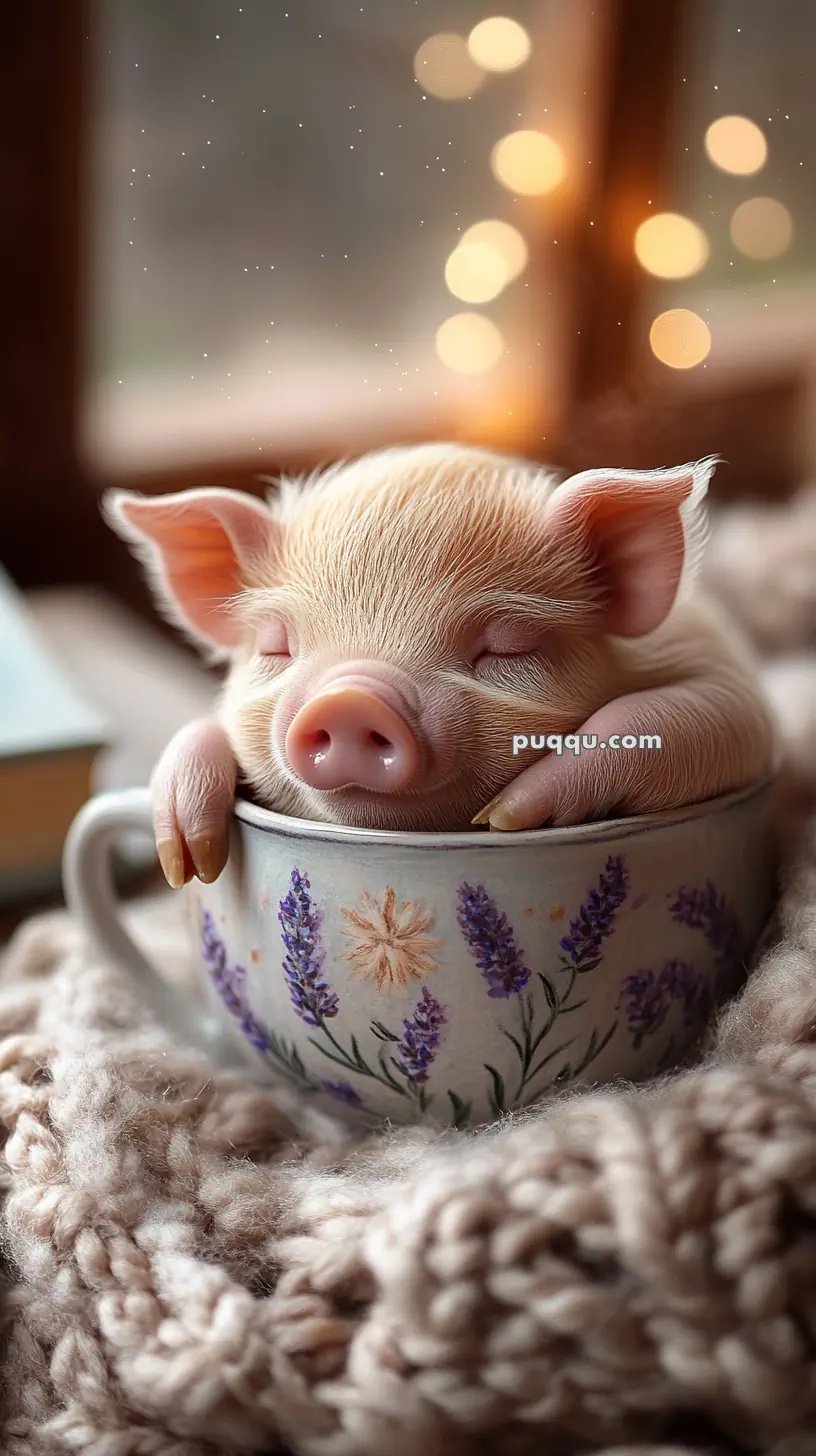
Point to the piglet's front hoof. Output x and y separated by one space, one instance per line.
193 788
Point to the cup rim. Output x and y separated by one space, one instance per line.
286 826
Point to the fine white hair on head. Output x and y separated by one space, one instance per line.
429 462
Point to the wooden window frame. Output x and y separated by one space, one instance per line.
51 528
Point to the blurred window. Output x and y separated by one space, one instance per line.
738 293
283 204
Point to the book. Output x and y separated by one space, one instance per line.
49 740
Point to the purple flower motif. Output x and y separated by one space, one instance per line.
491 941
682 983
708 911
643 999
596 918
420 1039
343 1092
313 999
647 997
230 983
256 1032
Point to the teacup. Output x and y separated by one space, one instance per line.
450 977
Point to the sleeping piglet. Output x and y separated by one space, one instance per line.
396 626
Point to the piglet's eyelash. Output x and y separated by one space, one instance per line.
493 654
505 646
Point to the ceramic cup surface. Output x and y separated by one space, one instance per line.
450 978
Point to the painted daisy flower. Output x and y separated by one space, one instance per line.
390 945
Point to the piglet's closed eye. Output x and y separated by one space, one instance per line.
641 530
194 546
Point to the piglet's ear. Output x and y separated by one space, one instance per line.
195 547
642 531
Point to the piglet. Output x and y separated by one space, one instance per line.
396 626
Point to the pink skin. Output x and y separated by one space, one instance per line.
512 607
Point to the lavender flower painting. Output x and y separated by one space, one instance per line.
707 910
595 921
412 1054
647 997
342 1092
420 1039
229 981
313 1000
491 940
492 943
420 1042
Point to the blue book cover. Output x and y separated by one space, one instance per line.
40 710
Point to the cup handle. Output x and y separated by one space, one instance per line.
89 893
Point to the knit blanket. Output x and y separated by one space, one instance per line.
193 1266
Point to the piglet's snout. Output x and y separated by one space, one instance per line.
349 733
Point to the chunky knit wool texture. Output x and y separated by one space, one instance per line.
196 1267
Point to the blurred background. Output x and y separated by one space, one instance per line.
243 237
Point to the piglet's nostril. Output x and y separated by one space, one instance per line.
320 739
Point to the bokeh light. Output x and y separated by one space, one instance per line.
469 343
529 162
499 44
680 338
444 68
671 246
505 240
762 228
735 144
475 272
